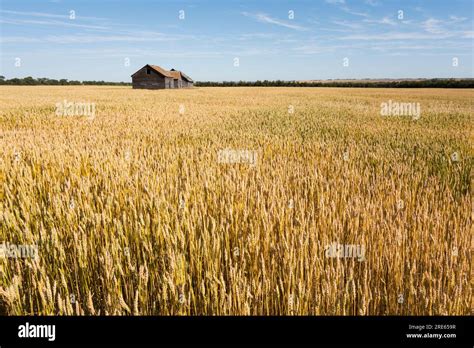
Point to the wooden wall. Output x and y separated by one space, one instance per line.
155 80
152 81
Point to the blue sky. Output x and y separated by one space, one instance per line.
288 40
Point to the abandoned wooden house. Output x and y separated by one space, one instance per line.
155 77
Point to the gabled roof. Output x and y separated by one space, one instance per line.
180 75
158 69
175 74
186 77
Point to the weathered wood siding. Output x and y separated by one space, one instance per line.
156 79
153 80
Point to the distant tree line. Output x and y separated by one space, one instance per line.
428 83
30 81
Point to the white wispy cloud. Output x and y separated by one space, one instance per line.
456 19
342 5
396 36
80 38
314 48
384 47
384 20
355 13
51 23
251 36
264 18
48 15
371 2
335 1
468 34
348 24
433 26
443 26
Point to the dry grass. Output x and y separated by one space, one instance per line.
133 214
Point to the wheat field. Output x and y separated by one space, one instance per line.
133 213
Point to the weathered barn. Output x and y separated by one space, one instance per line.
155 77
181 79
